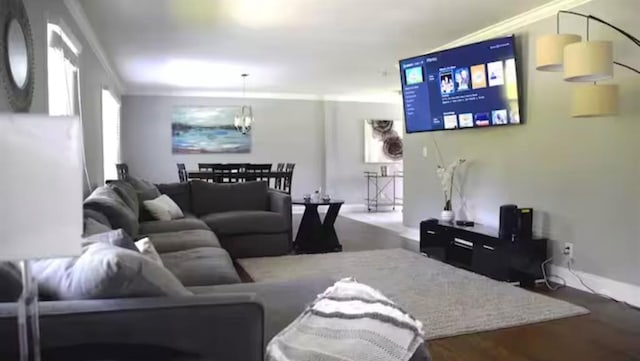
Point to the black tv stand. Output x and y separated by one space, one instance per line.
478 249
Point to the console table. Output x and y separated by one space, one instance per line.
478 249
376 185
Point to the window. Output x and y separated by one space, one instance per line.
110 134
62 64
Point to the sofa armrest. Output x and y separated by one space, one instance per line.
226 327
281 203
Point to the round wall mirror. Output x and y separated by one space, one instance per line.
17 54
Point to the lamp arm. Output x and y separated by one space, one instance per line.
594 18
627 66
591 17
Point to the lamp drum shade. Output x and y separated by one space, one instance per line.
40 187
594 100
588 61
550 51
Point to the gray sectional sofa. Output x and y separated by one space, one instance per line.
221 319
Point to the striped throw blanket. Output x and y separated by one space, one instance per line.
349 322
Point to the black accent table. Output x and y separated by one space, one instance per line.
314 235
480 250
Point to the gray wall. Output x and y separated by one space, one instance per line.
92 78
345 147
287 131
582 176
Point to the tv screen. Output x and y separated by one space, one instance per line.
467 87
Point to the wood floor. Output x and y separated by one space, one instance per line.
610 333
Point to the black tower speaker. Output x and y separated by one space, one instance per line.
508 222
524 230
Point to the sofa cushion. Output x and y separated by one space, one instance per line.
105 271
246 222
10 282
282 301
128 194
173 225
106 201
256 245
180 193
201 266
183 240
91 227
90 213
210 198
118 238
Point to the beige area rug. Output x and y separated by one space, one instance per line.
448 300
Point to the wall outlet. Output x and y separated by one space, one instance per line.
567 251
425 152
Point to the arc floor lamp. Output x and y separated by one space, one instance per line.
586 62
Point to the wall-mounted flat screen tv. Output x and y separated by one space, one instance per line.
471 86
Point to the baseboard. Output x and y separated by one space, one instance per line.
620 291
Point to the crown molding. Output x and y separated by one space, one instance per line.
221 94
386 97
391 98
512 24
78 14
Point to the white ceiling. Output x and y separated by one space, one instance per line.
288 46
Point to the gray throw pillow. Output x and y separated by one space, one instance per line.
104 271
210 198
118 238
128 194
106 201
10 282
145 191
144 186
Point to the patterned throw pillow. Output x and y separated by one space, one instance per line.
349 321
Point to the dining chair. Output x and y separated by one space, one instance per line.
122 170
182 173
279 179
226 173
258 172
206 171
288 178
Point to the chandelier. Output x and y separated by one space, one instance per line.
244 119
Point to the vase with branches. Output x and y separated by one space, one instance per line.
447 179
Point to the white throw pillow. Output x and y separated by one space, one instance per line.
173 208
163 208
148 250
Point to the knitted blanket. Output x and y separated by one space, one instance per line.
349 322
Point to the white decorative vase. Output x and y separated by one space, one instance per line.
447 216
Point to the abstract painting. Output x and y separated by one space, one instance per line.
382 141
205 130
